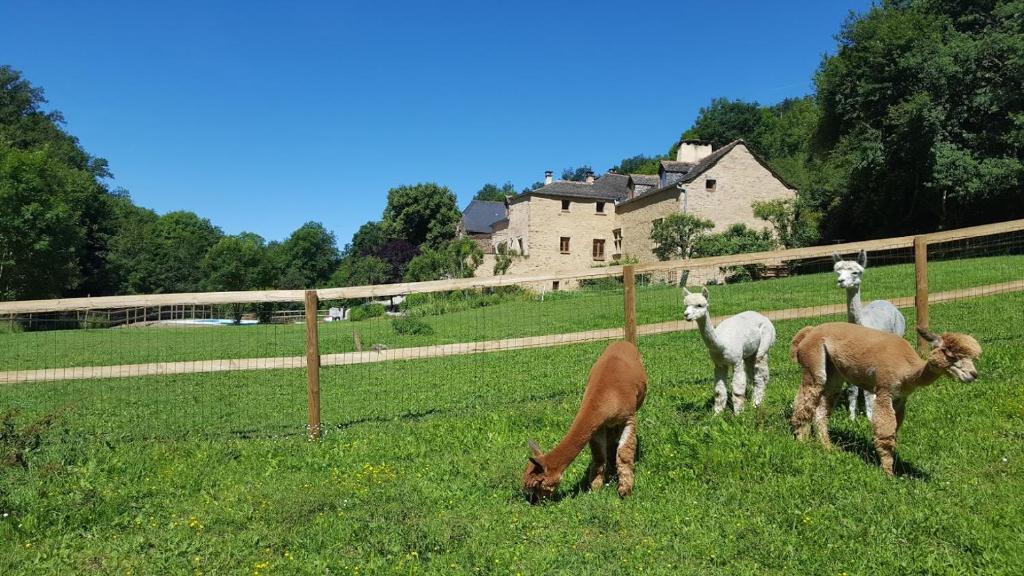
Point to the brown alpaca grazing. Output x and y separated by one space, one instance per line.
615 391
878 362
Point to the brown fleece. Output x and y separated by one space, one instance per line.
607 417
877 361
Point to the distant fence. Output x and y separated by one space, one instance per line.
635 300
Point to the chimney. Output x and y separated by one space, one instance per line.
547 177
590 176
692 151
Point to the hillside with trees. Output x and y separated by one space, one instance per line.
916 124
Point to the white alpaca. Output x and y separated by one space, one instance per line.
878 314
740 342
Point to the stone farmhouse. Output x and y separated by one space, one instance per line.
567 226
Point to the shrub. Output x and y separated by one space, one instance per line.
365 312
407 325
434 304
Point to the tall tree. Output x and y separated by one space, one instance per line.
49 177
495 193
578 174
923 118
307 258
421 214
675 235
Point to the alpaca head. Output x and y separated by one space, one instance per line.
696 304
953 353
848 272
539 481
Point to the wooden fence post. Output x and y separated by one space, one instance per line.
921 292
629 298
313 363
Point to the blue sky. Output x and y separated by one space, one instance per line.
264 115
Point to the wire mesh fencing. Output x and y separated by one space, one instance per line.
237 363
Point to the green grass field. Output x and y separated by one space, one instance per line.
557 313
418 471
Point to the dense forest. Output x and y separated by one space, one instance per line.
916 124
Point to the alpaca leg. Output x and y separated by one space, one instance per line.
598 459
852 392
804 404
739 386
885 423
899 407
760 379
625 456
720 391
869 404
827 401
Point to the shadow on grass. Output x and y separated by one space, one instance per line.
854 443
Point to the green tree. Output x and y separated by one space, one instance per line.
495 193
41 156
504 257
41 236
639 164
577 174
794 225
724 121
308 257
675 235
160 254
237 263
923 118
459 258
361 271
421 214
736 239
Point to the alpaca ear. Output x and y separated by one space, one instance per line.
704 292
930 337
836 258
537 452
862 259
540 467
685 291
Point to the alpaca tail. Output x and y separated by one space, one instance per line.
798 339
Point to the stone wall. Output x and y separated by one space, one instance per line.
637 217
740 181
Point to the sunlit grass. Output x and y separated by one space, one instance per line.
419 468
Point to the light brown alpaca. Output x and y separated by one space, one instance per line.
615 391
878 362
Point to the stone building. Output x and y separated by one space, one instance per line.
569 226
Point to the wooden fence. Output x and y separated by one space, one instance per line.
311 300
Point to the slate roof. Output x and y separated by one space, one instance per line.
645 179
673 166
705 164
481 215
609 187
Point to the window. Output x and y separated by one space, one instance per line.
565 205
617 238
600 207
521 251
598 249
563 245
710 184
554 286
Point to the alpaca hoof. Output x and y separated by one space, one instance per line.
596 484
625 491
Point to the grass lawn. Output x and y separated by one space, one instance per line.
556 313
419 470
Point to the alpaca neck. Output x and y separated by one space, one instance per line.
579 435
925 374
853 305
707 332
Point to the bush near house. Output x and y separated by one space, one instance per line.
365 312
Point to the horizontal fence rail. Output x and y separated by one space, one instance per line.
388 290
457 349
